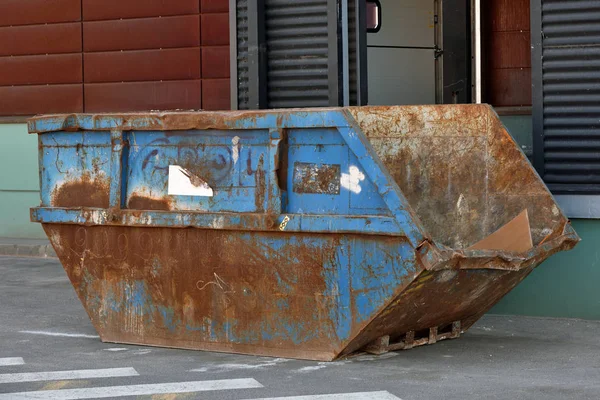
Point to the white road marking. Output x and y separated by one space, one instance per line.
341 396
312 368
11 361
67 375
60 334
134 390
224 367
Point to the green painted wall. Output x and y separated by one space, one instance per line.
19 182
520 127
564 286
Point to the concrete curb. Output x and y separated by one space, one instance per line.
27 250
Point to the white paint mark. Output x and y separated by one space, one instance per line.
134 390
67 375
388 355
115 349
6 361
60 334
217 282
352 180
142 352
462 205
369 357
237 367
341 396
218 223
338 363
312 368
555 211
184 183
235 151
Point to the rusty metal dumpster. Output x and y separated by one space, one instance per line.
308 234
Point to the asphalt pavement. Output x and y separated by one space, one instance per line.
49 350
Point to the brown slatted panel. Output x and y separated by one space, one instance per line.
507 63
40 39
115 9
143 96
170 78
215 62
216 94
29 12
142 65
139 34
40 57
510 50
214 6
37 70
28 100
510 87
215 29
509 15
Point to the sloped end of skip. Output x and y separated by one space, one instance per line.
489 217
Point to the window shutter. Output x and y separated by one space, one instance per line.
566 92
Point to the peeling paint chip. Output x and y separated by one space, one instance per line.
317 178
184 183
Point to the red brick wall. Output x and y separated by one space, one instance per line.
113 55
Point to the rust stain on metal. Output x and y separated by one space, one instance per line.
426 150
83 192
139 202
167 293
317 178
261 187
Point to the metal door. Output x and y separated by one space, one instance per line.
298 53
402 54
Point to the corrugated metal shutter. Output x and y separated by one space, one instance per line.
570 97
289 54
242 54
298 53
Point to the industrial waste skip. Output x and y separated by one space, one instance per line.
308 234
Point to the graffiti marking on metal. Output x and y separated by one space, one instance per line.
352 179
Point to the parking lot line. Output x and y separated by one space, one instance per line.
134 390
67 375
6 361
382 395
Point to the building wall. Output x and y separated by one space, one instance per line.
66 56
565 286
19 182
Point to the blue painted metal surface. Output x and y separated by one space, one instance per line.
278 233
